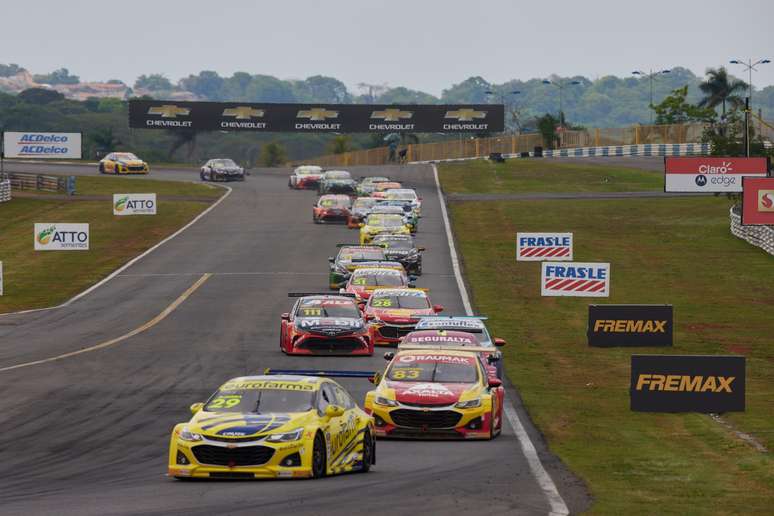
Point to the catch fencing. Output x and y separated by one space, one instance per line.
5 191
759 236
467 148
57 184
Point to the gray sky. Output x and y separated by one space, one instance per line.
420 44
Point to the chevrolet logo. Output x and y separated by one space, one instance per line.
392 114
168 111
317 114
466 114
243 112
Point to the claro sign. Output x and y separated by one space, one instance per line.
711 173
57 236
134 204
687 383
42 145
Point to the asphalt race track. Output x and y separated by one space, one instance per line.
88 434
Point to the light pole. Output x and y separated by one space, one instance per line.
502 96
561 85
651 77
750 67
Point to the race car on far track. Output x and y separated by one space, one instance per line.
360 209
436 394
286 426
347 259
222 169
367 185
376 224
405 194
381 188
401 248
394 312
408 217
305 176
408 209
337 181
365 280
450 339
326 324
122 163
329 208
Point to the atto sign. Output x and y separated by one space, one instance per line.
42 145
630 325
710 173
758 201
575 279
59 236
687 383
134 204
536 247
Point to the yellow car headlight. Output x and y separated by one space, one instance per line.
381 400
186 435
469 404
293 435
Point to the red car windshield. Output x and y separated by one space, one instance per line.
342 308
409 301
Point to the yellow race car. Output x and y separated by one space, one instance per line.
122 163
382 223
274 425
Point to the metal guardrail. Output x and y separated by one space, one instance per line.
5 191
26 181
759 236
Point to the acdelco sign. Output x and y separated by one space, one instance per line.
687 383
710 173
61 237
42 145
134 204
630 325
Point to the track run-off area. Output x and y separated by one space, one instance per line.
86 420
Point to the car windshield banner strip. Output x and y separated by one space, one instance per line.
630 325
687 383
300 118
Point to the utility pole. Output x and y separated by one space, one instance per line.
750 67
651 78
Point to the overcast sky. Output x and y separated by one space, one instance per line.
420 44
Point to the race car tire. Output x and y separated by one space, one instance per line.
201 175
101 168
319 459
368 452
491 425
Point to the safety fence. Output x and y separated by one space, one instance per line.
5 191
759 236
515 144
25 181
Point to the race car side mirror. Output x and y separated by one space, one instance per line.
491 359
389 355
285 316
437 308
375 379
331 259
412 278
421 248
369 317
412 284
499 342
196 407
360 225
333 411
494 381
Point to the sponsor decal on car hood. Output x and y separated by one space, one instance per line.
234 424
429 392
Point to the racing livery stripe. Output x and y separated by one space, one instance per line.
347 447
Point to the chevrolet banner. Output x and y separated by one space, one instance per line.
630 325
336 118
687 383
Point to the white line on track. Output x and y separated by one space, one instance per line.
130 262
555 501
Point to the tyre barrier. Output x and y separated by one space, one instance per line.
759 236
5 191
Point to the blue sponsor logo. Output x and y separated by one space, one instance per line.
42 138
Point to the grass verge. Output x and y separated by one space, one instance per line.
677 251
107 185
520 176
36 279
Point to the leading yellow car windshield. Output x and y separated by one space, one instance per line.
260 401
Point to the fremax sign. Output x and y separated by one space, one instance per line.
134 204
537 247
575 279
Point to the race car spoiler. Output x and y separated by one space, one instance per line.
356 245
305 294
473 349
316 372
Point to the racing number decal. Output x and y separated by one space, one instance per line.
312 312
382 302
228 401
408 373
359 281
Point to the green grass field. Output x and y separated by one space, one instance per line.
35 279
105 185
672 250
546 175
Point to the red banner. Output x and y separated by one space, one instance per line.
715 165
758 201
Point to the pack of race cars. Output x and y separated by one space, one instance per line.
443 380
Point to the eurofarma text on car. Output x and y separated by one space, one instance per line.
286 426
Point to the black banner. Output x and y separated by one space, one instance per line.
630 325
687 383
314 118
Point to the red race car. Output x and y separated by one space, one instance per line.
365 280
452 339
436 394
325 324
331 208
393 312
305 177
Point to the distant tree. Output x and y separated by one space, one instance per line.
319 88
403 95
40 96
546 126
273 154
340 144
471 90
10 70
104 140
153 82
181 138
61 76
207 84
675 109
719 88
